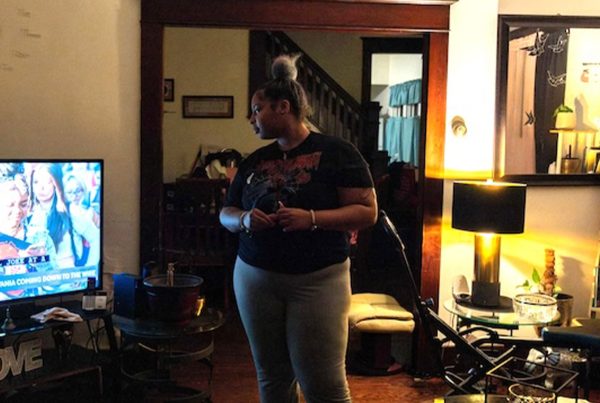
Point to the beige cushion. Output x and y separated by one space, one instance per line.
379 313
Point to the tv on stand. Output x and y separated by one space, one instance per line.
50 229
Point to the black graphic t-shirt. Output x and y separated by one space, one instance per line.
306 177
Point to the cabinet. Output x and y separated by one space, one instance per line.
193 237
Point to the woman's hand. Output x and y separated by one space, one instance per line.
237 220
293 219
258 220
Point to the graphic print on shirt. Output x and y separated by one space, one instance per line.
274 181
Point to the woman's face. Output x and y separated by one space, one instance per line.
13 208
73 191
43 186
266 120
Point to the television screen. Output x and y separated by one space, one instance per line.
50 227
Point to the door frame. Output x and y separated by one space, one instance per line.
381 17
406 45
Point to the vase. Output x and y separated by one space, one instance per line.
564 305
570 165
565 120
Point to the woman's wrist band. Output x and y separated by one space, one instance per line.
242 225
313 220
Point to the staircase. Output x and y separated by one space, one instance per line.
335 111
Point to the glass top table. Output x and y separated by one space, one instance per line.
150 349
210 319
502 316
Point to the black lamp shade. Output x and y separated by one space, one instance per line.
494 207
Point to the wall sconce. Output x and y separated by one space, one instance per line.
459 127
488 209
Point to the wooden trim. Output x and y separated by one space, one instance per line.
156 14
375 18
549 21
431 189
293 14
257 72
151 161
433 155
384 45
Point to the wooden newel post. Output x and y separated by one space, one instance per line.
368 143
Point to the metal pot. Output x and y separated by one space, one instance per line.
174 303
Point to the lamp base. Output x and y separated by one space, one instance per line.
485 294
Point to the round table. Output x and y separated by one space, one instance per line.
150 348
502 317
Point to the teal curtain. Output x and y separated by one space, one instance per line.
401 134
407 93
402 139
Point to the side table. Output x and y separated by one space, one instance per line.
502 317
151 348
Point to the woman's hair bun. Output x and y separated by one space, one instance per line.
284 67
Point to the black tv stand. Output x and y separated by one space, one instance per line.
8 323
17 310
20 314
61 332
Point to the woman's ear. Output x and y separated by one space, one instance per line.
284 106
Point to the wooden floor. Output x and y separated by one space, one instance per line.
234 381
234 378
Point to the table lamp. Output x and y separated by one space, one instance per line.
488 209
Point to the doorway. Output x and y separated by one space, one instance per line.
393 72
430 20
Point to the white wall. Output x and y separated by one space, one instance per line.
389 69
71 89
332 50
225 72
563 218
549 7
471 87
583 96
205 61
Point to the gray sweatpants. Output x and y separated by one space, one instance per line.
297 325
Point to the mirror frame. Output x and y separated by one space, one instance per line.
505 22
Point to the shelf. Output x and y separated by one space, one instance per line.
578 131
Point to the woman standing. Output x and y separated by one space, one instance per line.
49 210
293 202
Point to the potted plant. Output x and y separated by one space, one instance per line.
546 284
565 117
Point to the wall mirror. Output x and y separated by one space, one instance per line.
548 100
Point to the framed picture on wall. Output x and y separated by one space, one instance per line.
207 106
169 90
